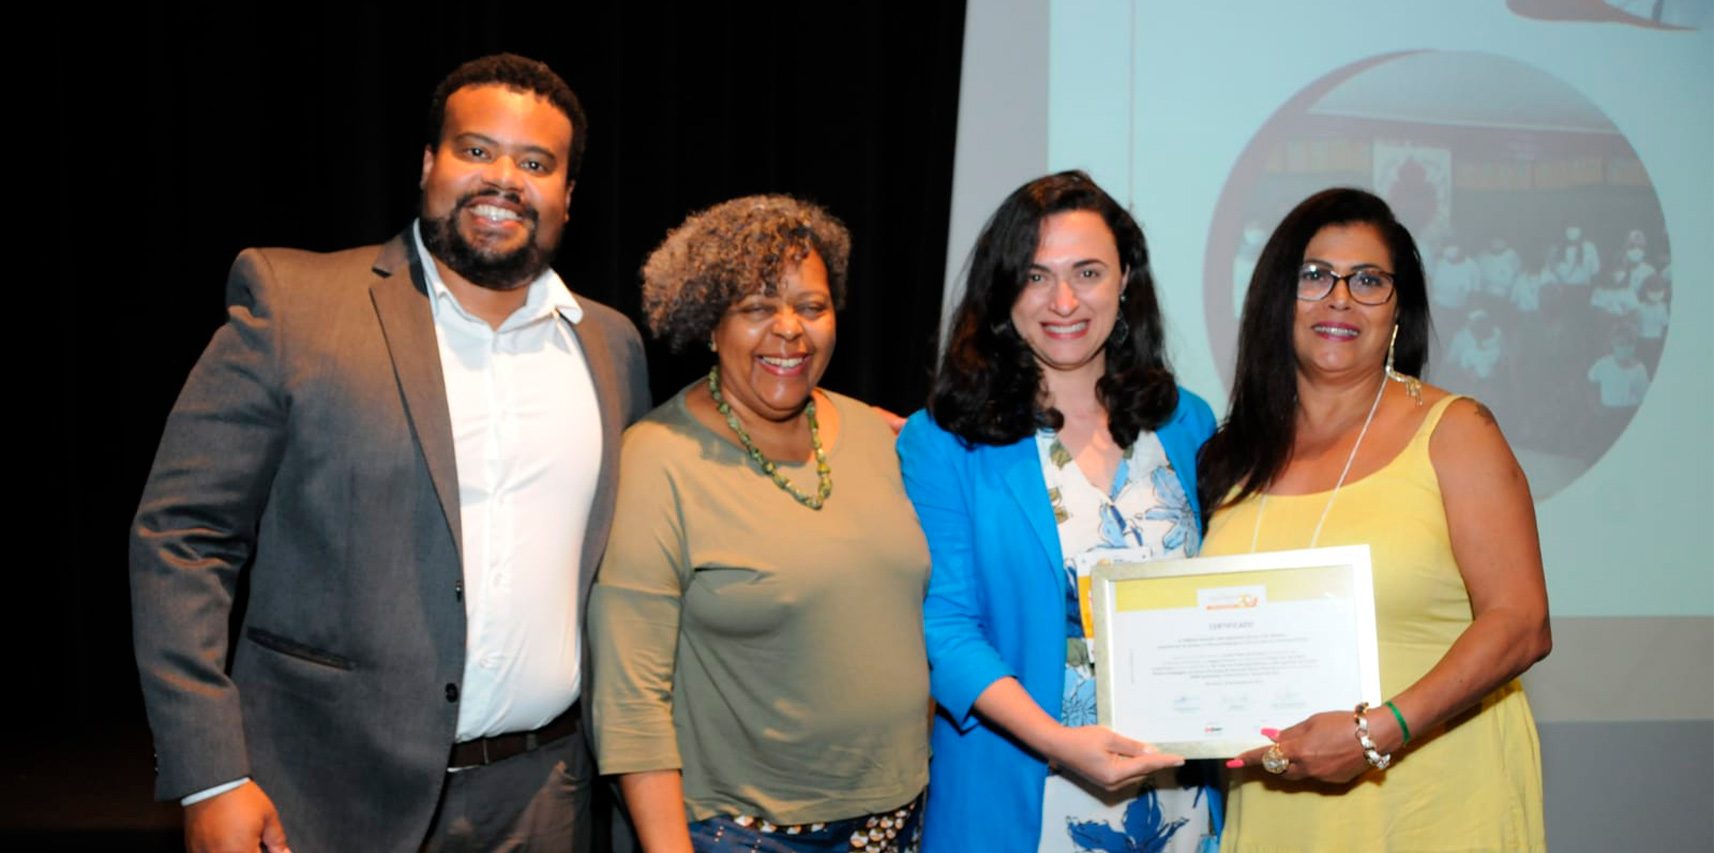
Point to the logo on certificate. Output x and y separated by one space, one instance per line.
1232 597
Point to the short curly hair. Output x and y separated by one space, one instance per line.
731 250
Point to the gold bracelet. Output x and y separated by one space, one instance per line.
1375 758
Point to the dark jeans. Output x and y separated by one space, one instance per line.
892 831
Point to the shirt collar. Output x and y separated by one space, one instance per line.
547 294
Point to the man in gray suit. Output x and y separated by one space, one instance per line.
411 449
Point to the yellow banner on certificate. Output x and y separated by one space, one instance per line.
1174 593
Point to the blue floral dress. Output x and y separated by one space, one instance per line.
1147 514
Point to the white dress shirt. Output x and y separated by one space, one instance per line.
527 440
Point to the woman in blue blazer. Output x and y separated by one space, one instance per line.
1055 428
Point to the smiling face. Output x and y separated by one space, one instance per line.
1338 335
1070 299
773 349
495 189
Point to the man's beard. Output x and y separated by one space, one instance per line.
481 267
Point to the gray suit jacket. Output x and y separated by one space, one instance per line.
312 444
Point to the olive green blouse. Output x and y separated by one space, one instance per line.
771 652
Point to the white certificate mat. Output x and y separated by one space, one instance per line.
1197 656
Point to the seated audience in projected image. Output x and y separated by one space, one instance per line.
1653 315
1532 331
1636 267
1527 287
1614 297
1534 321
1500 265
1474 361
1579 261
1623 380
1455 279
1330 441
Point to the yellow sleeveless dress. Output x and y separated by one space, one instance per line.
1472 784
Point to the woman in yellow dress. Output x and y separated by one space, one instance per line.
1332 441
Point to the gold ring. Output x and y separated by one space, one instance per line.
1274 761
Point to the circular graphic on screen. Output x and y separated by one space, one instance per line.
1549 273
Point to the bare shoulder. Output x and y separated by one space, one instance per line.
1408 414
1468 446
1467 419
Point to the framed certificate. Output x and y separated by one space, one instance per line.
1197 656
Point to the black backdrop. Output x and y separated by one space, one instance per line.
176 138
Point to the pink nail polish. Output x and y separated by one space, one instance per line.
1235 763
1270 734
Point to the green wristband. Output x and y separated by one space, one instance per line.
1401 718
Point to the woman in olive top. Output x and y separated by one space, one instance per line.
760 680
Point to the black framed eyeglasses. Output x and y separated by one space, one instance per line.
1367 286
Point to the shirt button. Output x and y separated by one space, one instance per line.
491 662
452 693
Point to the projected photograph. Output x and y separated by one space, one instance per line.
1549 270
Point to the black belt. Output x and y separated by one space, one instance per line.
487 750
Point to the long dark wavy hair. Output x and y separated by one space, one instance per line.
989 388
1251 448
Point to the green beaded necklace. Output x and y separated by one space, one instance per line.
824 474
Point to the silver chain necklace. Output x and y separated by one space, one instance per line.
1263 505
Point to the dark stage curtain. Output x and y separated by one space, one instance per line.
186 133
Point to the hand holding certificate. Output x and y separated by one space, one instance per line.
1199 655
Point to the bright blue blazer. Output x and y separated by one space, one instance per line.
996 608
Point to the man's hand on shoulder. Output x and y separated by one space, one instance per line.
236 821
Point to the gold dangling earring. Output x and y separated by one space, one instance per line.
1413 385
